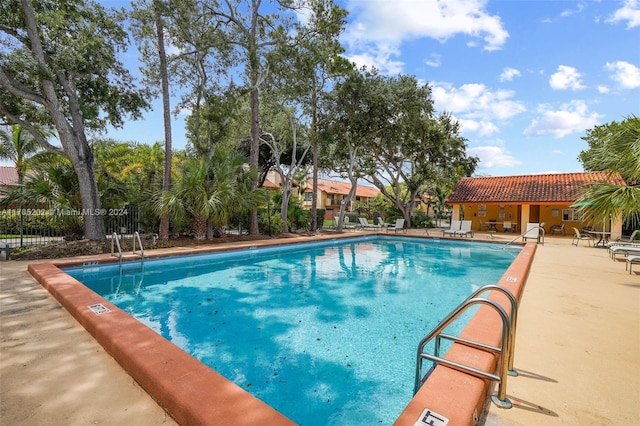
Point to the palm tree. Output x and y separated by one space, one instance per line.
234 182
614 148
191 196
210 192
17 146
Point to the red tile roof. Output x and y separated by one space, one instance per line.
547 188
8 176
342 188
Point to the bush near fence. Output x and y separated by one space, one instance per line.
34 222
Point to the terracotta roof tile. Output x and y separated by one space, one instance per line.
342 188
561 187
8 176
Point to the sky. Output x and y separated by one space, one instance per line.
526 79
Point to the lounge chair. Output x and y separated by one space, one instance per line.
465 229
580 236
364 223
382 223
626 250
453 228
557 229
630 239
612 244
630 261
347 225
532 232
399 226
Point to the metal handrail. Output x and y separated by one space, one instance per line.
136 236
524 233
115 239
505 349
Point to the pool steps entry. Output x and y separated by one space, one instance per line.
115 243
506 349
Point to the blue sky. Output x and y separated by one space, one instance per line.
525 79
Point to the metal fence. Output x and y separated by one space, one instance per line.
32 227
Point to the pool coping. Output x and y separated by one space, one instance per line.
193 393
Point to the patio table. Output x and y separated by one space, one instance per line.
602 235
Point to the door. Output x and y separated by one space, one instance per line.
534 214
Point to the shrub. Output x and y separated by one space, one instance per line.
421 220
270 225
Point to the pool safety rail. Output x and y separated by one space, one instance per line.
505 351
539 240
115 243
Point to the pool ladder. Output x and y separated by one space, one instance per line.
115 243
506 349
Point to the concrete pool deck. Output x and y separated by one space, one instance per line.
577 347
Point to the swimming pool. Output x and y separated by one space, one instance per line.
325 333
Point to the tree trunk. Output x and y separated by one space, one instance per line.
284 207
314 181
255 150
200 227
166 109
93 215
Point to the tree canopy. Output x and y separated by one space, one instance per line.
60 68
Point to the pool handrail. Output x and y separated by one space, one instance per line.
116 239
505 349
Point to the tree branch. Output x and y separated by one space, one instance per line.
32 130
18 89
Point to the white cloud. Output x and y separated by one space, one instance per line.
493 156
566 78
624 73
380 60
435 60
603 89
509 73
573 117
569 12
629 13
387 24
482 128
476 102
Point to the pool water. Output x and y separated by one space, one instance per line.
325 333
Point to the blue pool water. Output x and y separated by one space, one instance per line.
325 333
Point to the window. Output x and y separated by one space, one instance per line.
308 196
571 215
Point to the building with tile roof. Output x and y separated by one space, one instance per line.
331 193
523 199
8 176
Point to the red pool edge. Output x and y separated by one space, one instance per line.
194 394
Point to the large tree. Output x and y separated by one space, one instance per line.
150 32
386 132
253 33
348 120
305 67
415 147
614 148
61 69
